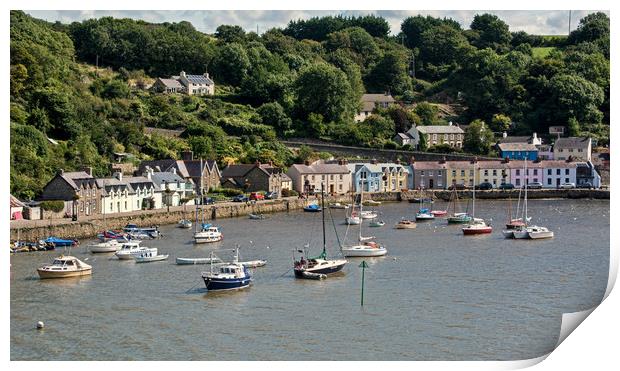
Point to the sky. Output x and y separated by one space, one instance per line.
540 22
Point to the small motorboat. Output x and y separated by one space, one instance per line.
424 214
148 257
208 234
372 203
369 214
254 263
193 261
439 213
112 235
59 242
477 226
129 249
229 276
376 223
318 265
185 223
256 216
63 267
365 249
338 205
405 224
312 208
535 232
103 247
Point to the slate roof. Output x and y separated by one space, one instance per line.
321 168
16 203
386 98
571 142
515 139
166 177
171 83
73 177
199 79
440 129
516 147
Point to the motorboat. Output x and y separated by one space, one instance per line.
63 267
59 242
129 249
256 216
459 218
254 263
421 200
424 214
209 233
368 214
103 247
185 223
148 257
477 226
376 223
536 232
194 261
405 224
364 249
136 232
338 205
372 203
312 208
227 276
112 235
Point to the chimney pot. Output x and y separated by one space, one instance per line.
504 135
118 175
187 155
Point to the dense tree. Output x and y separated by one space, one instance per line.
478 138
491 31
390 74
413 28
500 123
317 28
231 65
273 114
440 47
230 33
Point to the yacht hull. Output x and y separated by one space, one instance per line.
64 274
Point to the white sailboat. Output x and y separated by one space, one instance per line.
365 247
477 225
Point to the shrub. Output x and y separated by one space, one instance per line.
289 193
55 206
229 192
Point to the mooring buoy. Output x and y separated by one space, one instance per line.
40 325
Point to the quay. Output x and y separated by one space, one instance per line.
89 226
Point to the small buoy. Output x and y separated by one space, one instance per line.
40 325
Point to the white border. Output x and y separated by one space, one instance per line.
593 346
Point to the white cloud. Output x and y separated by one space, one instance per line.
546 22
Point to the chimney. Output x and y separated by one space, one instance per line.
187 155
506 160
270 163
504 135
397 162
257 163
412 160
450 123
182 74
340 162
118 175
474 160
148 172
307 163
206 74
88 170
373 161
61 171
174 170
443 160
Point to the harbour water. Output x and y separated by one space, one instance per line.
437 295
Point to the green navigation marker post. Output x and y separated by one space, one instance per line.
363 265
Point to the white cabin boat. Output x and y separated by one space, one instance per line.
63 267
536 232
103 247
208 234
130 249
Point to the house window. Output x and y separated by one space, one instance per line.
471 173
430 173
557 172
438 172
535 171
445 137
518 181
331 177
566 171
451 136
518 172
548 171
548 181
111 205
138 204
434 136
462 172
486 172
340 187
340 176
453 173
494 172
422 173
125 205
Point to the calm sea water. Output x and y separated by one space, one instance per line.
437 295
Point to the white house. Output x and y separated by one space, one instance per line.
557 172
174 188
372 101
575 147
307 178
123 194
443 134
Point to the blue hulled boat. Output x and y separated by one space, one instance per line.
228 276
59 242
312 208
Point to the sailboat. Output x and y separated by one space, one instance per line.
525 231
477 225
366 247
457 217
318 267
207 233
514 223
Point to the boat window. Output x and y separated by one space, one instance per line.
69 262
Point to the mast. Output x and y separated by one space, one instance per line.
526 184
323 220
361 203
473 203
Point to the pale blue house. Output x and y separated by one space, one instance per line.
379 177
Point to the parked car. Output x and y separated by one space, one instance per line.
506 186
567 185
535 185
208 201
240 198
457 186
256 196
271 195
587 185
484 186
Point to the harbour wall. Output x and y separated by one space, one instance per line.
32 230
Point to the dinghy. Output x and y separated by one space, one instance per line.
193 261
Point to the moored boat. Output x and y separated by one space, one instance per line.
459 218
63 267
129 249
103 247
439 213
353 219
228 276
536 232
185 223
194 261
256 216
208 234
312 208
338 205
59 242
372 203
148 257
254 263
424 214
405 224
477 226
368 214
376 223
365 249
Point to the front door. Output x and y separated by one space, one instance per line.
557 182
430 183
331 188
